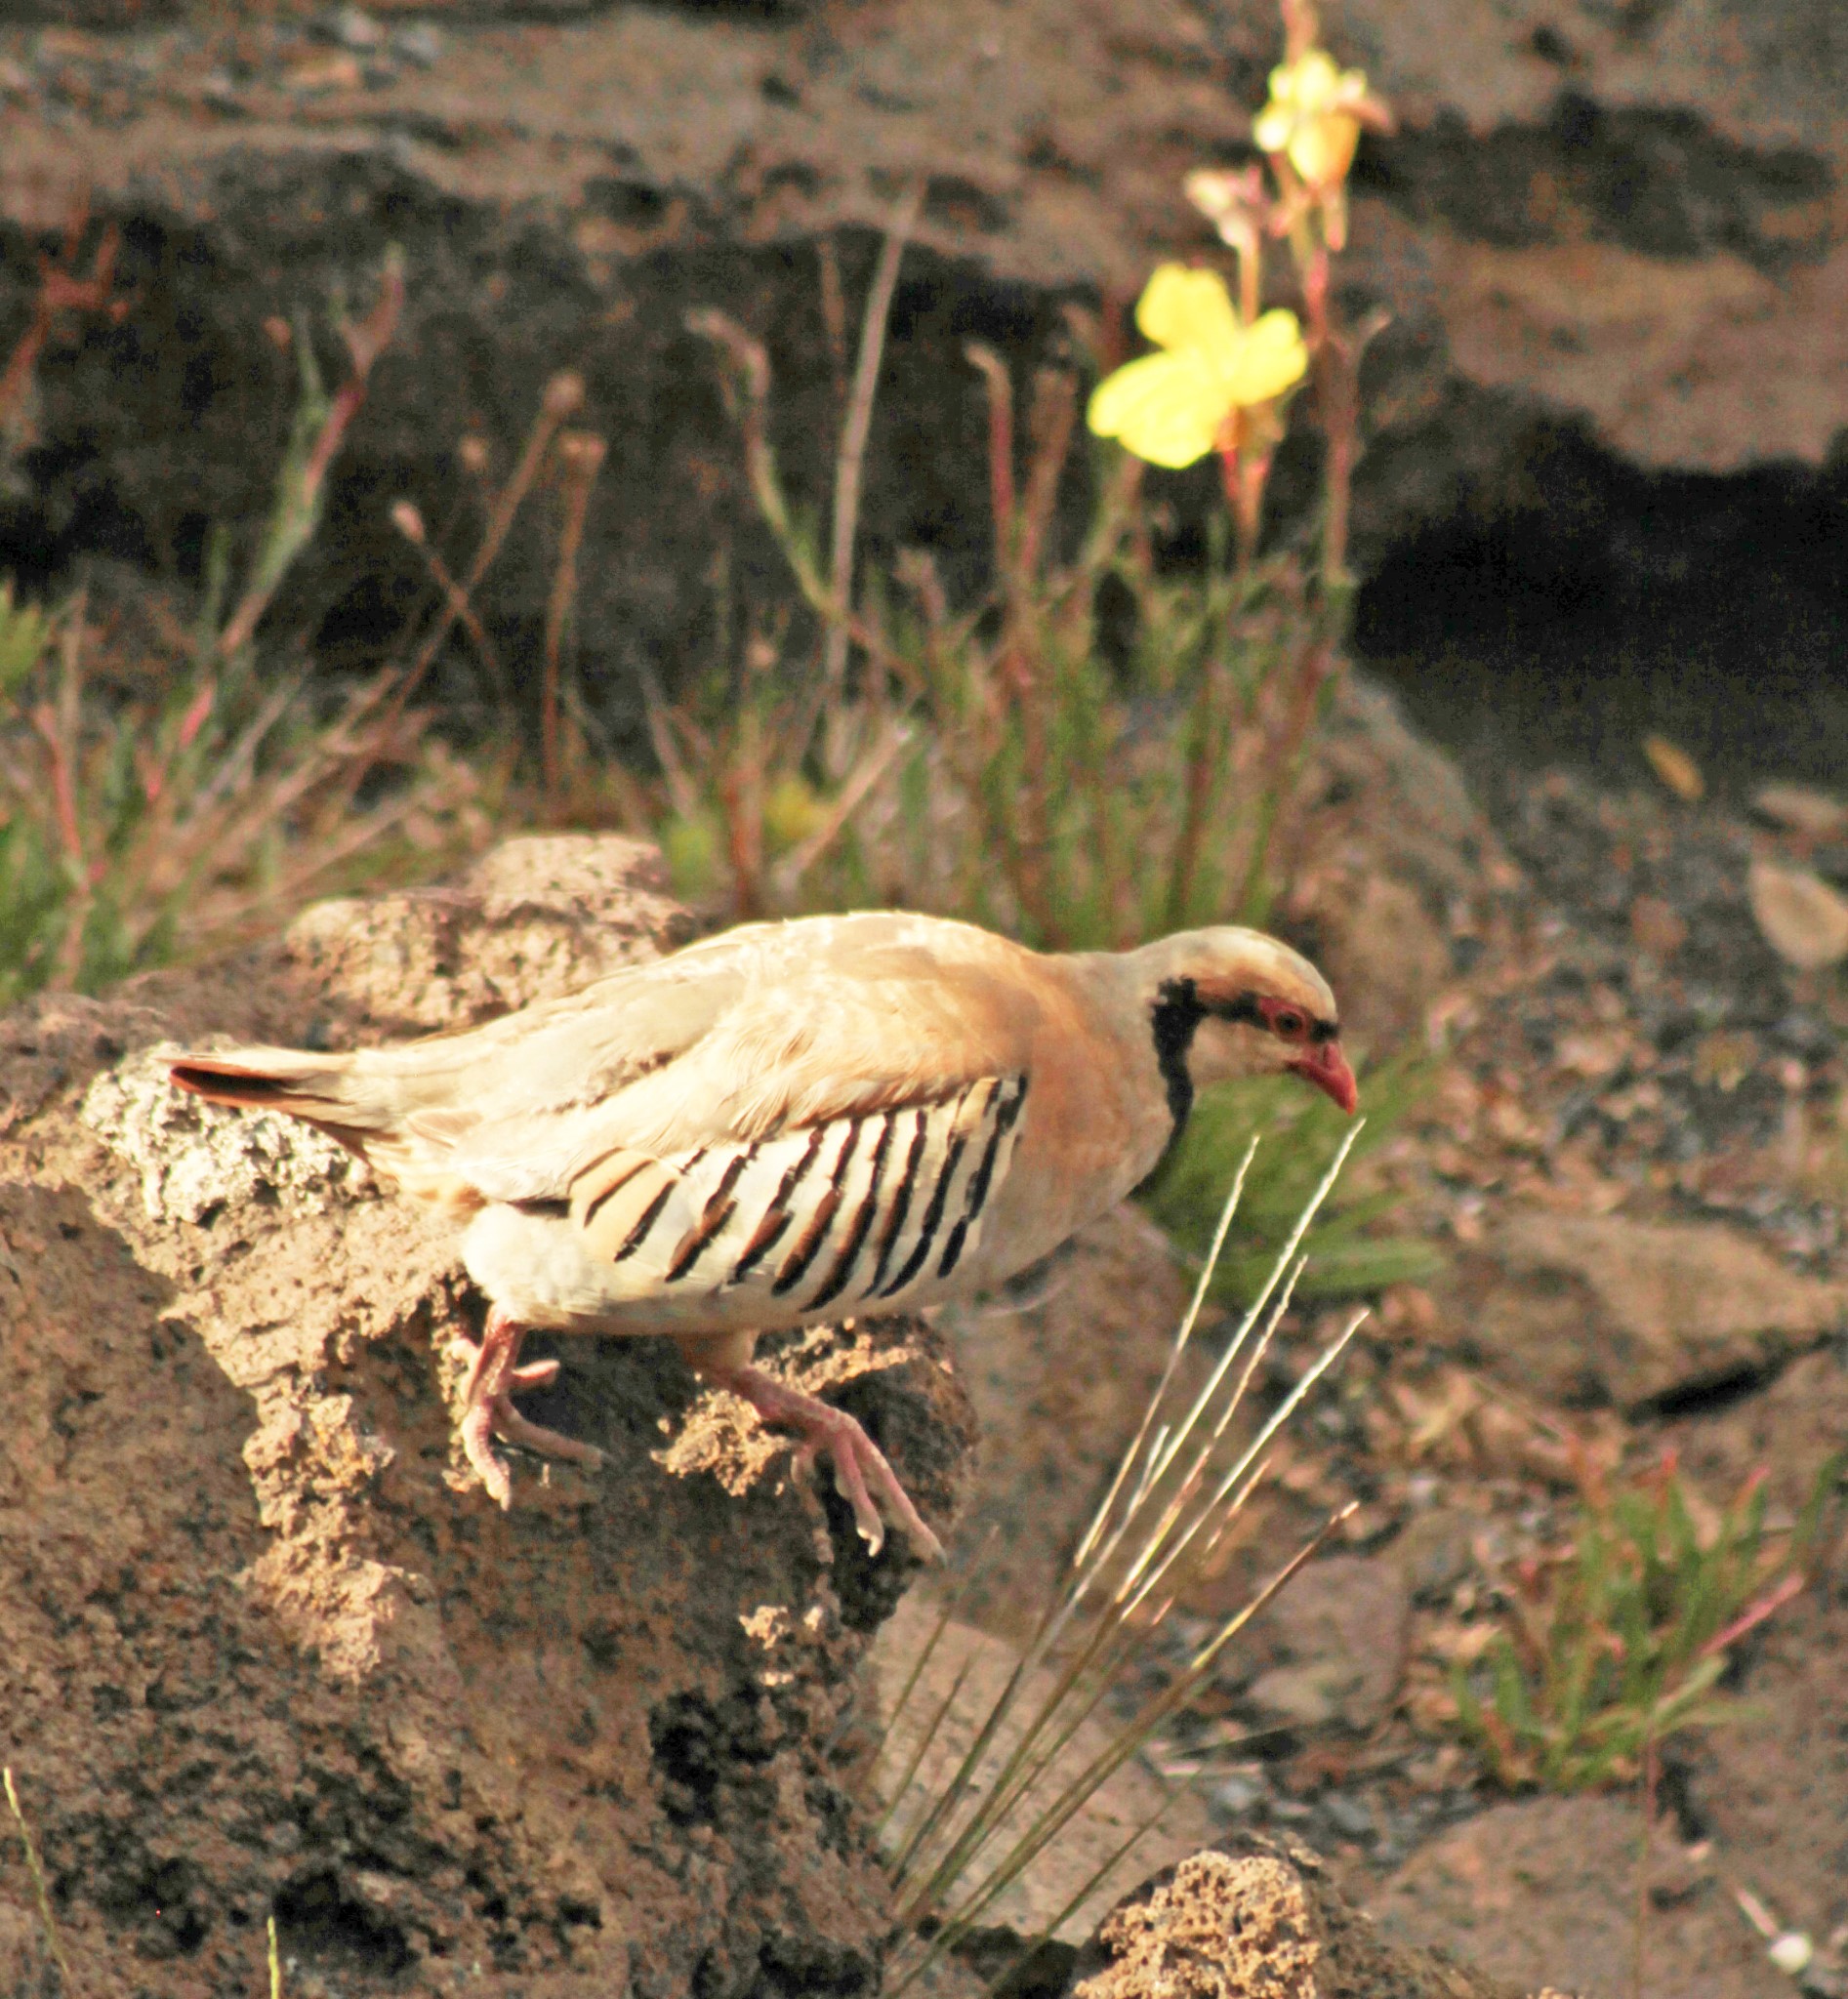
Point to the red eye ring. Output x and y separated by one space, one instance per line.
1289 1023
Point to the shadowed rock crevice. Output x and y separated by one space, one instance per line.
1658 181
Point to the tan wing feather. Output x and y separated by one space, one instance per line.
808 1051
768 1028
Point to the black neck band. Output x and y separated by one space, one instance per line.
1174 1018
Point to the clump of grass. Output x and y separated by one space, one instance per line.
1348 1255
988 762
1181 1487
162 793
1618 1639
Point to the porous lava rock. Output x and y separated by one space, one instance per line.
1254 1918
266 1648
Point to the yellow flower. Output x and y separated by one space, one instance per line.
1314 115
1171 408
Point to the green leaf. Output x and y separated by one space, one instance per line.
26 637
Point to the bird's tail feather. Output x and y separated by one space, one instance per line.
319 1088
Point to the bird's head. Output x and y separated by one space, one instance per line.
1227 1002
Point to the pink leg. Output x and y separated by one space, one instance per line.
860 1468
487 1408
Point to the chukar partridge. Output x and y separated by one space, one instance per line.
790 1122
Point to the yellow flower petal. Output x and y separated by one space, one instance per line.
1166 408
1181 307
1271 357
1322 149
1314 83
1272 127
1310 116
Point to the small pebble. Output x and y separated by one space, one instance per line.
1350 1816
1232 1797
421 44
352 27
1792 1952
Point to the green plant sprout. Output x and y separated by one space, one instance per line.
1348 1256
1620 1639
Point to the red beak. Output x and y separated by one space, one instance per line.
1326 1067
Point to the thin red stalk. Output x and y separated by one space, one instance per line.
833 319
410 525
1241 496
366 341
1198 797
60 290
1000 450
1639 1967
1755 1615
1024 666
562 399
60 728
63 792
582 455
1054 413
752 369
854 431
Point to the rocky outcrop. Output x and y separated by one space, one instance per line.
265 1647
1605 1309
1615 220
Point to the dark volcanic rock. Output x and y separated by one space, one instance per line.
1619 221
265 1649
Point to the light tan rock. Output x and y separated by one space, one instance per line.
1801 809
1597 1307
1804 920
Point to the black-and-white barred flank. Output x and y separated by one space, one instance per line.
862 1212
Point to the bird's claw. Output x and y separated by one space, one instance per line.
494 1375
862 1475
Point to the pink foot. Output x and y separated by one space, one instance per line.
488 1411
860 1467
